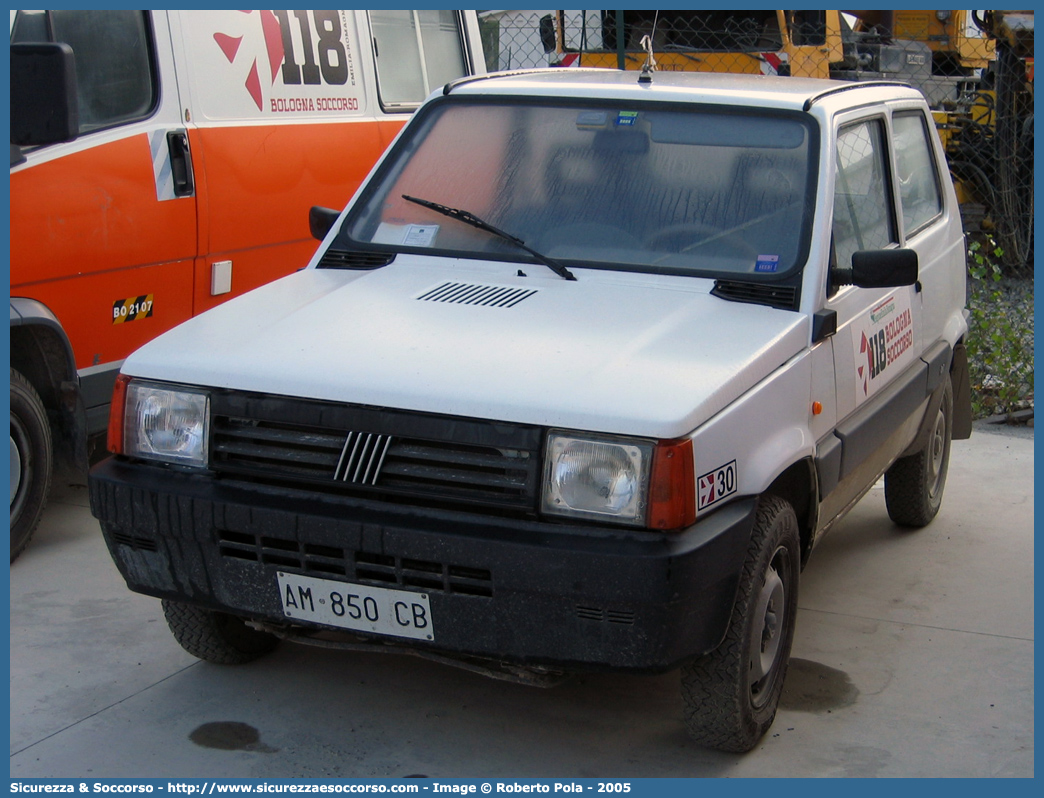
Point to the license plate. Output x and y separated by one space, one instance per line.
400 613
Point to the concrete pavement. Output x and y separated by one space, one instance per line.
913 657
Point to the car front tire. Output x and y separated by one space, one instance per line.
731 694
215 636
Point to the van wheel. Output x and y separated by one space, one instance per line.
31 461
732 693
215 636
914 484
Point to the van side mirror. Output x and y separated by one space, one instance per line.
878 268
320 220
547 33
44 106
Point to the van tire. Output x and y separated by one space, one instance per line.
31 461
731 694
215 636
914 484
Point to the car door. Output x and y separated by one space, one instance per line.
877 346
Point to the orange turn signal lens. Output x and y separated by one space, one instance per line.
114 440
672 489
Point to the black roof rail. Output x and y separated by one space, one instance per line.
854 85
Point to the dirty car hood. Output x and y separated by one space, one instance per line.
612 352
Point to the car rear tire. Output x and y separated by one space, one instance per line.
31 461
215 636
914 484
731 694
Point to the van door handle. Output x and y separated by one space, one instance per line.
180 163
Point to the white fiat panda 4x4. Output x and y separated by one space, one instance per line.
577 381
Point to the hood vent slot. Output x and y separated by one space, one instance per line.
494 296
347 259
783 297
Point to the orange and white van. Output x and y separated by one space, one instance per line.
165 161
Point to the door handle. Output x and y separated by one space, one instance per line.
180 163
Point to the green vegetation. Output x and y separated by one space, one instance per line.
1000 338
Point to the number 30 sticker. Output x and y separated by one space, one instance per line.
716 485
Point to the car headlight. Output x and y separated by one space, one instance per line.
168 423
620 480
598 478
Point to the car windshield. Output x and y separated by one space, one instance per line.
692 190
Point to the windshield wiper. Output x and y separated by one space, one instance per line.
474 221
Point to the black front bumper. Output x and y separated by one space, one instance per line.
532 593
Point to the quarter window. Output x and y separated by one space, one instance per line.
113 60
863 213
918 180
416 51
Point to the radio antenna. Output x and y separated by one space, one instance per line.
650 60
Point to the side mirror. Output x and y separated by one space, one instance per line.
547 33
44 107
320 220
879 268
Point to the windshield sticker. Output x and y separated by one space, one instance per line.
767 263
626 118
406 235
420 235
591 120
717 484
885 339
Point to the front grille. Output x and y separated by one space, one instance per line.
362 458
135 542
361 567
442 461
625 617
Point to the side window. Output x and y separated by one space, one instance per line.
863 214
915 165
416 51
113 60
